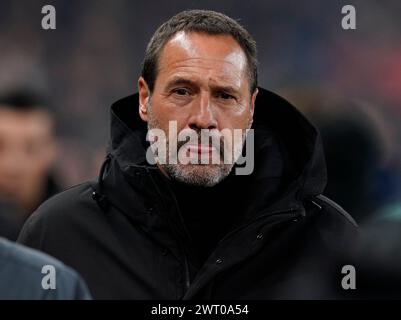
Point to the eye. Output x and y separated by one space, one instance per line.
181 91
224 95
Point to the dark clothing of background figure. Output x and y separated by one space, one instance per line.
11 217
21 276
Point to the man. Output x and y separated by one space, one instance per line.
152 227
26 274
27 154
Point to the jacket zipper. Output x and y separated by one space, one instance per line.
262 216
230 234
187 280
292 211
186 265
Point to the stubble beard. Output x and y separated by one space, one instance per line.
205 175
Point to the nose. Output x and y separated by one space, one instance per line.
202 115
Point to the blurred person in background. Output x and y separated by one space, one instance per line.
27 154
358 147
10 221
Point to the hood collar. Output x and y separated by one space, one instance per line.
299 140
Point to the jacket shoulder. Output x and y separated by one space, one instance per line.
70 209
73 196
337 230
334 209
26 268
66 203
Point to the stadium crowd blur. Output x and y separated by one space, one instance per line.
348 82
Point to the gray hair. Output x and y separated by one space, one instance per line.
203 21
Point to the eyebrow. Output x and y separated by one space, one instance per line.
228 89
215 87
180 81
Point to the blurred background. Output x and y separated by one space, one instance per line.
57 86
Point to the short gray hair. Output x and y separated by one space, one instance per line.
203 21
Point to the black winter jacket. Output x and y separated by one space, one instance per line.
123 233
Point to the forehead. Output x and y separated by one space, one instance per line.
18 123
193 51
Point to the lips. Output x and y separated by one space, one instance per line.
200 149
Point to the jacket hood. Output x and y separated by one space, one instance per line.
287 145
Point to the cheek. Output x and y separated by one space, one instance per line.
163 113
238 121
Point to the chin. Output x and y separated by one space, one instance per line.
199 174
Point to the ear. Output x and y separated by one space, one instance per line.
253 99
252 107
144 96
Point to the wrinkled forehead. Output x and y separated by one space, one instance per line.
219 52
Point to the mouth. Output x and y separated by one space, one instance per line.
201 149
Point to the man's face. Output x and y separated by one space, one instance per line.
26 153
202 83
